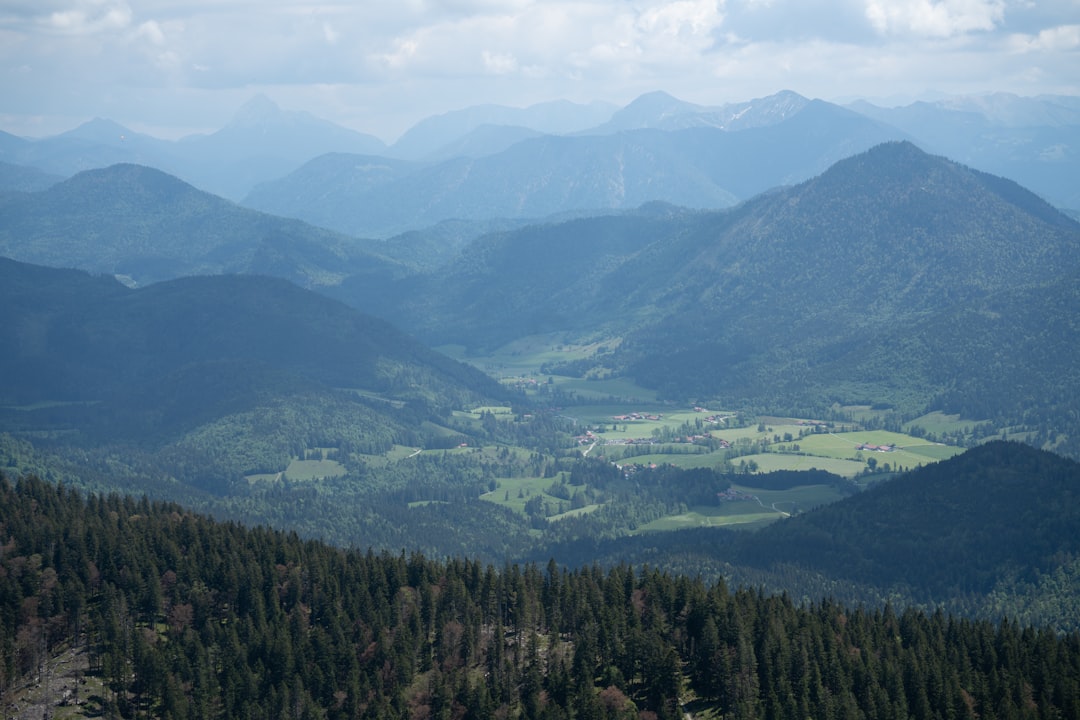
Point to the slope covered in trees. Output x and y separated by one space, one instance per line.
990 533
175 616
144 224
208 379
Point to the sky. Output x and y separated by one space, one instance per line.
173 67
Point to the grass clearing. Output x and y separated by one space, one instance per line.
940 423
307 470
770 462
731 514
515 492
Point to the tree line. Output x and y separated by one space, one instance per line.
185 617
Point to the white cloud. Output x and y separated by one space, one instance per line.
499 63
151 31
330 33
90 17
416 57
934 18
1064 38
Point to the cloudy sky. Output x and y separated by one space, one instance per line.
170 67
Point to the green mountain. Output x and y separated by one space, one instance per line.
989 533
116 607
145 225
895 277
239 372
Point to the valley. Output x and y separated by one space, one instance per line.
783 403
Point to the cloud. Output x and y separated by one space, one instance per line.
1065 38
90 17
366 60
934 18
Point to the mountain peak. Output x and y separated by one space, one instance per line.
100 130
257 110
655 106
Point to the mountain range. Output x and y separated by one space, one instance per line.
1030 140
894 277
701 166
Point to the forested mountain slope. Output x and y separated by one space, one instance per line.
990 533
143 224
153 365
158 612
890 278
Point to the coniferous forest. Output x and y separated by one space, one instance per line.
178 616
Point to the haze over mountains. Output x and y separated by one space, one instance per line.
1031 140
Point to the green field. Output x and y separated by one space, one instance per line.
750 515
909 452
939 423
769 462
515 492
303 470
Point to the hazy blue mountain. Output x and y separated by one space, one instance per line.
433 134
702 167
141 223
664 112
94 144
262 141
484 140
21 178
1034 141
259 143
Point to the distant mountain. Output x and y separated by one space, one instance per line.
24 179
1034 141
145 225
663 112
703 167
432 135
484 140
263 141
95 144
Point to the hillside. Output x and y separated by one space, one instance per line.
894 277
994 525
231 374
874 251
142 224
134 608
989 533
24 179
